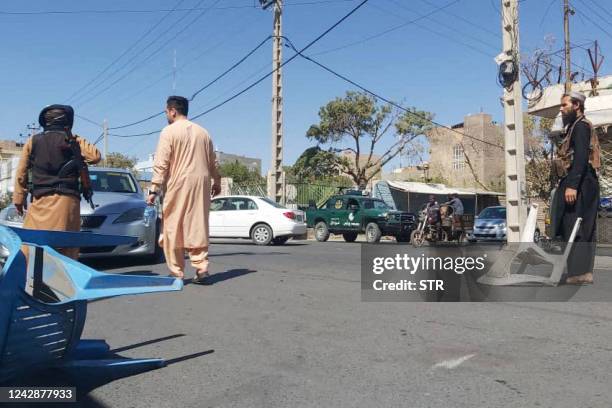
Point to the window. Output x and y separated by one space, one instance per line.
376 204
112 182
271 202
242 204
335 204
221 204
352 202
458 158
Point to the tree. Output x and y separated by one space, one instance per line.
538 150
356 124
240 173
315 164
121 161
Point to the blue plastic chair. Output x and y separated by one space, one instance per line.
42 329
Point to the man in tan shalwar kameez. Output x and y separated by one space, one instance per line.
56 202
185 167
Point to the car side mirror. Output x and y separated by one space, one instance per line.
312 204
475 217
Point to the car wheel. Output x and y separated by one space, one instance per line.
261 234
350 236
280 240
321 231
373 233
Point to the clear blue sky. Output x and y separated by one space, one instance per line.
442 64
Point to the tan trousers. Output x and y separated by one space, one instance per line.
55 212
175 258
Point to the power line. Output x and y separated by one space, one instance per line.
140 64
465 20
99 139
137 54
196 93
144 11
444 35
231 98
591 20
601 7
376 95
131 47
190 61
397 27
88 120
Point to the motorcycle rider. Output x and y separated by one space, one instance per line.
455 202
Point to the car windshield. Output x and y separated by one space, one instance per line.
375 204
493 213
271 202
112 182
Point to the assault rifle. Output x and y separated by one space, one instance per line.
78 164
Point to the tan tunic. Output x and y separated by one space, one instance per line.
55 212
185 164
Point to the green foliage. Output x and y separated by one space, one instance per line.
6 200
121 161
317 165
538 155
240 173
358 120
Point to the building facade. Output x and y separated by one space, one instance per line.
458 160
10 151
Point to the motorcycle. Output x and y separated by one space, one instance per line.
437 224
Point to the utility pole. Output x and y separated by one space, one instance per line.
277 191
568 67
33 128
105 133
514 145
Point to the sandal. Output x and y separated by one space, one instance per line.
201 278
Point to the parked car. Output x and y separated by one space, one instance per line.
490 225
351 214
259 218
120 210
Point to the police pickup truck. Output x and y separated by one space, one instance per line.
350 215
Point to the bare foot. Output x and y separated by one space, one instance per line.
585 278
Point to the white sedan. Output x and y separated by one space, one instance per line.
258 218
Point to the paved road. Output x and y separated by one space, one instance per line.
285 327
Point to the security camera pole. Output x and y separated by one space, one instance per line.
514 146
277 191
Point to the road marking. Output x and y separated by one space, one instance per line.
454 363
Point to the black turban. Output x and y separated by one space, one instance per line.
56 117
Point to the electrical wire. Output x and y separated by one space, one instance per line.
441 34
98 139
210 83
142 11
257 82
387 31
172 26
131 47
590 19
191 60
88 120
382 98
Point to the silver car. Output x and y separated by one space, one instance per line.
490 225
120 210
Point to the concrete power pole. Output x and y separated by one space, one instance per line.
277 190
568 68
514 146
105 133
